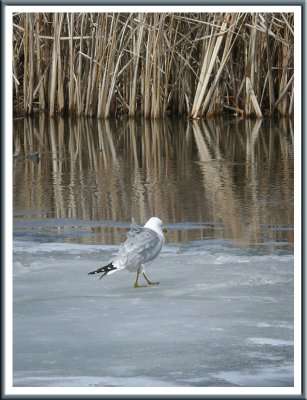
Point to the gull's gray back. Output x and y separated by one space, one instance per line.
142 245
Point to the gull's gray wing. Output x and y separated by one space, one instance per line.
142 245
134 229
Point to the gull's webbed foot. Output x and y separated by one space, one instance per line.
150 282
136 285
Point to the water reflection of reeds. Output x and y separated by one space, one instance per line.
233 174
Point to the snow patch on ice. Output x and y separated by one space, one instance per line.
260 377
271 342
91 381
35 247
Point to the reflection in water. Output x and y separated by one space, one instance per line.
83 179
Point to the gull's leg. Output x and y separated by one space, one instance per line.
136 285
149 282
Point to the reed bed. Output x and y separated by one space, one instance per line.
153 64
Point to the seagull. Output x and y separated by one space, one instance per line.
142 246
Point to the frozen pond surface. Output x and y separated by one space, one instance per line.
220 317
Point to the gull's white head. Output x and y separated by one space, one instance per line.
154 224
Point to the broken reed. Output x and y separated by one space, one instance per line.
152 64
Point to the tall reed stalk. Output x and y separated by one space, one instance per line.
106 64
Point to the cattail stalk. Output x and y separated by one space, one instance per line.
107 64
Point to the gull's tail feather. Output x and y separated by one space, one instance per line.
105 270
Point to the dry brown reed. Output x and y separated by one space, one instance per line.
153 64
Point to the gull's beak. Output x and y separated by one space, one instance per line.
164 230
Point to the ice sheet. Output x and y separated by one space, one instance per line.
220 317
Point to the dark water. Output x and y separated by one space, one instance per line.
81 180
